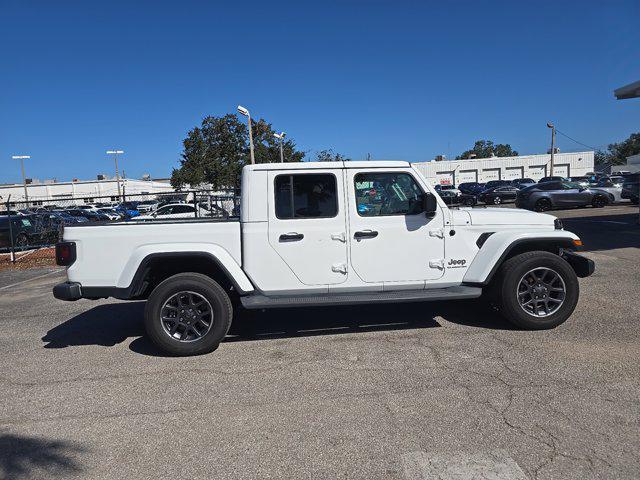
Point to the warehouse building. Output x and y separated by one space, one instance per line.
50 191
455 172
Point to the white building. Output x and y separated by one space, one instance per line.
632 166
455 172
49 191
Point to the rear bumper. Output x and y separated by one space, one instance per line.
583 266
69 291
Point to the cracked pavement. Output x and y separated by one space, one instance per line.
408 391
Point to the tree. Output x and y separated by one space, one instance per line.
485 149
329 156
617 153
215 152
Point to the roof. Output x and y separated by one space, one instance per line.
628 91
329 165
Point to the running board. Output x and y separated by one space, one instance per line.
429 295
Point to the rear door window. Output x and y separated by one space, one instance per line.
306 195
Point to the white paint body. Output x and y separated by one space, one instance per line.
411 252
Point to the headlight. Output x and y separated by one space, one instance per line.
558 224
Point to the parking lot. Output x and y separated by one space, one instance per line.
408 391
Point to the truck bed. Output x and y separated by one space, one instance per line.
113 251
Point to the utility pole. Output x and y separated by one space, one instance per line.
24 179
280 136
246 113
115 154
553 144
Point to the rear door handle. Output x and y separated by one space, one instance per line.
291 237
366 234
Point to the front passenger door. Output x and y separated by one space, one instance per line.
391 238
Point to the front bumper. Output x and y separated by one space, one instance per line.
581 265
69 291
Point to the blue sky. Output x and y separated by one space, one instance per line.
398 80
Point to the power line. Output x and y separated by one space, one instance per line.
579 143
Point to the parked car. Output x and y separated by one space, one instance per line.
631 187
498 195
173 210
521 183
449 188
552 195
111 213
553 179
496 183
302 240
613 189
583 181
91 215
68 219
451 198
21 230
147 206
471 188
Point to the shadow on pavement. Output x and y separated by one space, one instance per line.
606 232
21 457
111 324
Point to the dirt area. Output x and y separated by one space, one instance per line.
44 257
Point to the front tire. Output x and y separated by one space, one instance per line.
188 314
599 201
497 200
537 290
542 205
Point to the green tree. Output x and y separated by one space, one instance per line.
330 156
215 152
485 148
617 153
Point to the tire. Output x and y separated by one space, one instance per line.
542 205
599 201
198 296
497 200
21 240
514 287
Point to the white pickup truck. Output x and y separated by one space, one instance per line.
316 234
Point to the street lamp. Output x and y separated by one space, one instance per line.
246 113
115 154
280 136
553 144
24 180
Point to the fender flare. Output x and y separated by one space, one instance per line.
498 246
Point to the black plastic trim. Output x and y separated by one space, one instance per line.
565 243
583 266
483 238
68 291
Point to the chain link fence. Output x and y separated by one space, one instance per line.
29 230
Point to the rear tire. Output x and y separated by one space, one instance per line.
198 308
497 200
542 205
599 201
537 304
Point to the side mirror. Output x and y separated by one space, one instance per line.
429 204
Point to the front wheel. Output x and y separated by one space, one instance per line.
188 314
542 205
537 290
599 201
497 200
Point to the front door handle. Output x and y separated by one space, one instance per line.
291 237
366 234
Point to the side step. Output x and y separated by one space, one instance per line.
430 295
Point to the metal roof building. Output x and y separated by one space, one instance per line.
455 172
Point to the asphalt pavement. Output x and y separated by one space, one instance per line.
409 391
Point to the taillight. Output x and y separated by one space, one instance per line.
65 253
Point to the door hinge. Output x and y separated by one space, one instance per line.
439 264
438 232
341 237
339 268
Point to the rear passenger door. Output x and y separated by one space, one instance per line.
307 224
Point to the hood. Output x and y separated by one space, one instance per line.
508 216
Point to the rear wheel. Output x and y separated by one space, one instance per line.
537 290
188 314
599 201
21 240
497 200
542 205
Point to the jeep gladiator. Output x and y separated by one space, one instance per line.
321 234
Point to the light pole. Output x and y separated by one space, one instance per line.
280 136
246 113
24 180
553 144
115 154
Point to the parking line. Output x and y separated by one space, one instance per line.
29 279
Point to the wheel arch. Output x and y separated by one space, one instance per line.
492 255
